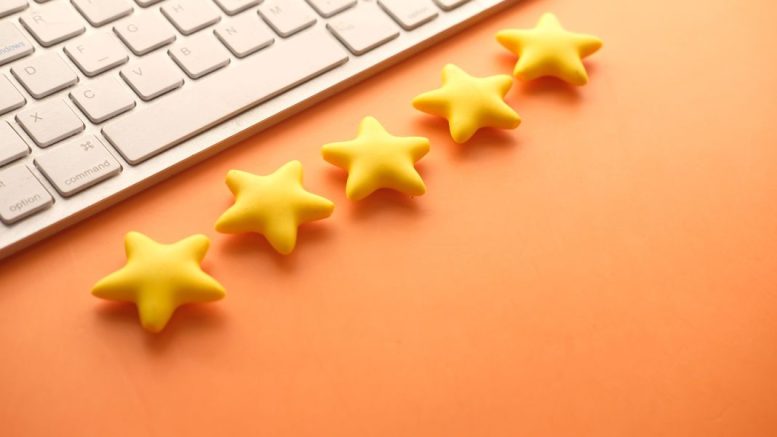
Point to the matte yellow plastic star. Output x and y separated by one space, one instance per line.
160 277
274 206
376 159
470 103
549 50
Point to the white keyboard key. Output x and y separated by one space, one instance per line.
146 3
77 165
8 7
200 55
145 33
12 146
10 98
152 76
97 53
21 194
363 28
49 122
287 17
244 35
189 16
150 130
13 45
102 99
327 8
232 7
409 13
53 23
100 12
449 5
44 74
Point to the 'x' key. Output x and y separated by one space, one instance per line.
50 122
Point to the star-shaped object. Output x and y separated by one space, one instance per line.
274 206
549 50
160 277
470 103
376 159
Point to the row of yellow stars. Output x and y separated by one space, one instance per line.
160 277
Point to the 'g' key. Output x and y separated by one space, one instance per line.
21 195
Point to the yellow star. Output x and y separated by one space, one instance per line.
469 103
160 277
550 50
274 206
376 159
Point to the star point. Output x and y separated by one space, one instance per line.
274 206
159 278
550 50
376 159
470 103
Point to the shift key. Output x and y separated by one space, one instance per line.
21 194
77 165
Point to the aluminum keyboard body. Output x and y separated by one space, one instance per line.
111 160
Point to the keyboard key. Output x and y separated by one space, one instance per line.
44 75
13 45
53 23
102 99
152 76
449 5
8 7
146 3
287 17
148 131
409 13
327 8
21 194
100 12
10 98
12 146
77 165
97 53
189 16
244 35
200 55
145 33
363 28
232 7
49 122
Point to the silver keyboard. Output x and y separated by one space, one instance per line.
100 99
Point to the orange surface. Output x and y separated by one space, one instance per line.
608 269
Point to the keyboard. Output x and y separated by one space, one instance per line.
100 99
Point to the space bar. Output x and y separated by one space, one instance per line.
144 133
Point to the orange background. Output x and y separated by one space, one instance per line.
608 269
